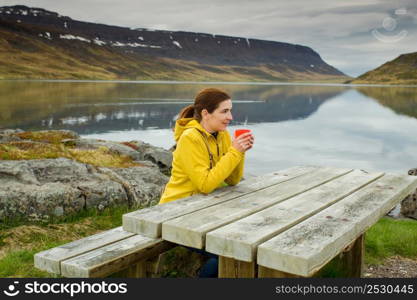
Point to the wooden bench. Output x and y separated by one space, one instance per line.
102 255
288 223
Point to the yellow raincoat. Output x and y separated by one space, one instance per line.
191 172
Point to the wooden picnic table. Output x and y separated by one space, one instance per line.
288 223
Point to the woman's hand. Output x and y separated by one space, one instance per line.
244 142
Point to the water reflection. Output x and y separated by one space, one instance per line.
99 107
402 100
365 127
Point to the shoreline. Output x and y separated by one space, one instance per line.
272 83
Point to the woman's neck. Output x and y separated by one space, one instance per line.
207 128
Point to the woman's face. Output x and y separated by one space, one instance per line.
219 118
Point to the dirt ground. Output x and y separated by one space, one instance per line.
393 267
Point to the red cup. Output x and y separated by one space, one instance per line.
241 131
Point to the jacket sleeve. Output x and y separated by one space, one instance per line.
237 174
192 153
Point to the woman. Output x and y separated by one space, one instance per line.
205 158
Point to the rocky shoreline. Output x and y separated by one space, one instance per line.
40 189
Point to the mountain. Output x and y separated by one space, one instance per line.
40 44
402 70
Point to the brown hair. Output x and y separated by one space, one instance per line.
208 99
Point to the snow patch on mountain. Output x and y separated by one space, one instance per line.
73 37
177 44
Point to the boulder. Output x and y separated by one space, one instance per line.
39 189
409 204
157 155
137 150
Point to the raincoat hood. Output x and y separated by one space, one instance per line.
185 123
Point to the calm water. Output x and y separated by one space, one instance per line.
371 128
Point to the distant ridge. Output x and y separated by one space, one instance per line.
37 43
402 70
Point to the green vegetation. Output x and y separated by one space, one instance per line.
21 241
47 144
400 71
52 136
391 237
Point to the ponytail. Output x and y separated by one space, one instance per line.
187 112
208 99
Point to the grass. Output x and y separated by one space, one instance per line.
50 136
101 157
20 241
400 71
48 144
391 237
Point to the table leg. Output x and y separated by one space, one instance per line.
147 264
136 271
352 258
232 268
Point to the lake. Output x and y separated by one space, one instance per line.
365 127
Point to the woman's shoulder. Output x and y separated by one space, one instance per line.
191 134
196 135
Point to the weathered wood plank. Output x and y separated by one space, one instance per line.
264 272
49 260
240 239
350 260
190 230
113 258
306 247
138 270
232 268
149 221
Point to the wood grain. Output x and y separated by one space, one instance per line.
308 246
190 230
240 239
148 221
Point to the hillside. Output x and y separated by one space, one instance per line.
39 44
402 70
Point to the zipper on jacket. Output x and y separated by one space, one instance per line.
217 145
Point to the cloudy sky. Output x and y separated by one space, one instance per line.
352 35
